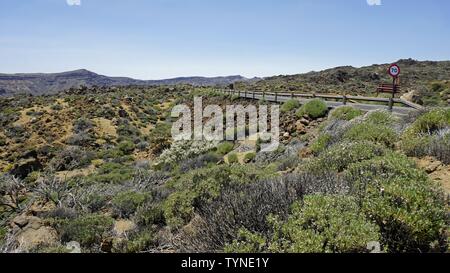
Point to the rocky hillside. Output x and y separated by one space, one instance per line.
428 82
95 170
38 84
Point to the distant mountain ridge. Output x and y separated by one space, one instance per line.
51 83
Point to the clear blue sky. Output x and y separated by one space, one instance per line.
152 39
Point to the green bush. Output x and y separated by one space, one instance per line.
375 133
330 224
112 173
289 106
321 143
233 158
3 232
429 123
314 109
339 156
225 148
88 230
407 206
137 242
127 147
247 242
346 113
380 118
150 214
249 157
319 224
126 203
2 141
204 185
160 137
429 135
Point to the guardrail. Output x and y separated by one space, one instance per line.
342 98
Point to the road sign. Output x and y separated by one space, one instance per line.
394 70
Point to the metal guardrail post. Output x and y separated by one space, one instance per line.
292 95
245 93
391 104
276 96
344 99
264 95
239 93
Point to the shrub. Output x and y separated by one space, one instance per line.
314 109
160 137
88 230
202 186
126 203
375 133
11 192
199 162
127 147
2 141
288 163
346 113
225 148
150 214
430 122
3 234
71 158
339 156
82 125
380 117
321 143
289 106
406 205
249 157
181 150
112 173
323 224
233 158
246 242
239 207
142 146
52 189
137 242
429 135
80 139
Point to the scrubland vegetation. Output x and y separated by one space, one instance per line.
97 169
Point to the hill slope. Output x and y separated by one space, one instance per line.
39 83
417 77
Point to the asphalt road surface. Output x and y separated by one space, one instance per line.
397 110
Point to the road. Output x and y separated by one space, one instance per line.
397 110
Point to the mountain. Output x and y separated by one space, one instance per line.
41 83
428 80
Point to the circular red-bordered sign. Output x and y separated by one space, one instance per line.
394 70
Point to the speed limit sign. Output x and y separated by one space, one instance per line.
394 70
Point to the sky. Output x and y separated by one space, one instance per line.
156 39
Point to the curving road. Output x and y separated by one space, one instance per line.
397 110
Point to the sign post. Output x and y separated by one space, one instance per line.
394 71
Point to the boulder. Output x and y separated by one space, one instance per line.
304 121
20 221
433 167
300 127
34 236
73 247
